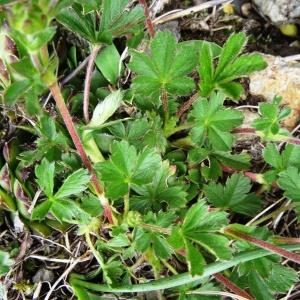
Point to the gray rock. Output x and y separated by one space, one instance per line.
280 78
279 11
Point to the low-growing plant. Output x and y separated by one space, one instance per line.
142 181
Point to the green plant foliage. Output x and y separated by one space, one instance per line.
201 227
116 20
127 169
154 182
59 203
271 117
234 195
214 122
5 263
231 65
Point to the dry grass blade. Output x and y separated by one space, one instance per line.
173 15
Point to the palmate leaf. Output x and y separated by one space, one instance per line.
127 168
271 115
201 228
234 195
214 122
145 239
166 67
230 66
159 191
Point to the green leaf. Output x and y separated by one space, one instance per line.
73 184
69 211
127 168
160 190
5 263
232 48
74 19
282 278
202 227
234 195
229 67
16 90
41 38
117 20
232 89
41 210
258 287
236 161
165 68
268 123
206 70
108 62
214 122
195 259
45 176
213 243
105 109
289 157
289 181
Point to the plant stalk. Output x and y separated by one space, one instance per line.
232 287
56 93
263 244
87 82
149 23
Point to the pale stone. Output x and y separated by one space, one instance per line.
279 11
280 78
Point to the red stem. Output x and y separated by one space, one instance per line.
243 130
55 90
231 286
265 245
149 23
87 83
251 175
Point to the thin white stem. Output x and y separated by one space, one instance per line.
63 275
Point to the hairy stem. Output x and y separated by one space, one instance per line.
87 82
149 23
186 105
231 286
181 279
262 244
165 104
56 92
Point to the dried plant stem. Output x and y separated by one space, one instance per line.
149 23
56 93
231 286
87 82
264 245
